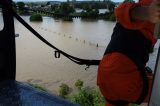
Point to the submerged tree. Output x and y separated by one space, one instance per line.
66 9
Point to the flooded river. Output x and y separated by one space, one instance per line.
36 61
81 38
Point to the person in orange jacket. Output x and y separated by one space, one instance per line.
122 77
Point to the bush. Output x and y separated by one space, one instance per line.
79 84
38 87
88 97
36 17
63 90
110 17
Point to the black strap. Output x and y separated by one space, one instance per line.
145 88
72 58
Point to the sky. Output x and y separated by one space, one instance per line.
65 0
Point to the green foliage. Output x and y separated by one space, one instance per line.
110 17
111 6
79 84
38 87
20 5
88 97
84 14
87 7
20 8
89 12
22 12
92 13
54 7
91 4
66 9
63 90
36 17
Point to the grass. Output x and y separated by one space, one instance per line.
38 87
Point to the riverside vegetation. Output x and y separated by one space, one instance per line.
84 96
36 17
90 10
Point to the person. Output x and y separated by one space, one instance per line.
122 76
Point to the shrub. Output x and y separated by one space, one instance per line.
63 90
88 97
36 17
112 17
79 84
38 87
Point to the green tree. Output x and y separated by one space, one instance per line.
66 9
20 5
88 97
111 6
63 90
87 7
79 84
21 9
54 7
84 14
36 17
94 13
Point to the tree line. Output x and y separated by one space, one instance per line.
89 9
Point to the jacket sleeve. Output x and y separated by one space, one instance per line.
122 13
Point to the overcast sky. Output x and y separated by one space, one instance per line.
65 0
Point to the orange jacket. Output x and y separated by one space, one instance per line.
122 13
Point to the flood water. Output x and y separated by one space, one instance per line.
36 62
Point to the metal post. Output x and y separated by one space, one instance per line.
7 43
